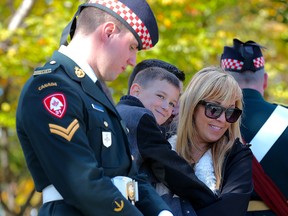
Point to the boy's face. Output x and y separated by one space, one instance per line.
160 97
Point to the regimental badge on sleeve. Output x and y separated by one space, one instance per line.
55 104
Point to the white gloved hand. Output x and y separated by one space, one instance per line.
165 213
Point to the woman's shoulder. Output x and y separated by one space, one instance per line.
239 145
240 149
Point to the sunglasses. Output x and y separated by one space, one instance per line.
214 111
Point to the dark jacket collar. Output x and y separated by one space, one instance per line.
131 101
252 93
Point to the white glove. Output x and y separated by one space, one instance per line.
165 213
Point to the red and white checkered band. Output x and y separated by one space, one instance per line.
259 62
130 17
231 64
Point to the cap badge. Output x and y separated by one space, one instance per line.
79 72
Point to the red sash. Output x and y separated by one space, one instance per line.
268 191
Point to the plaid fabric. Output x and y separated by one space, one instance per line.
242 56
259 62
232 64
130 17
136 15
238 65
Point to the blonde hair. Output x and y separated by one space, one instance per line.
211 83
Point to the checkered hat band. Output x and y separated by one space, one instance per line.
232 64
131 18
259 62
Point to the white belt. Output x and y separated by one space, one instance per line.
50 194
128 187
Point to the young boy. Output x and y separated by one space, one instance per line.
169 126
153 95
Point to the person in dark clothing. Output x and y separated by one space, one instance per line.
209 139
153 95
228 196
169 127
73 139
264 126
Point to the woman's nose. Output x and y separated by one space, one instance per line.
222 117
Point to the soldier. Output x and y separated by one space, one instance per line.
72 137
264 126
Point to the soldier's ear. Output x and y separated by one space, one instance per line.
265 83
108 29
135 89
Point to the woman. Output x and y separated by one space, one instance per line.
208 138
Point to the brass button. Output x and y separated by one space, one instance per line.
106 124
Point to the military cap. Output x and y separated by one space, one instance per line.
136 15
243 56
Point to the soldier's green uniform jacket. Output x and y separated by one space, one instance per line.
72 138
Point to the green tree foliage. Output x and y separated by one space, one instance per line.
192 36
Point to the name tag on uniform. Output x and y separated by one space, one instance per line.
107 138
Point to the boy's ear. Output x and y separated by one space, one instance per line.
135 89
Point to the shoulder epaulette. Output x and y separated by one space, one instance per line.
49 67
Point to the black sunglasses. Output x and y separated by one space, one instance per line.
214 111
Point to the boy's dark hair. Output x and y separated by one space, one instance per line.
148 63
148 75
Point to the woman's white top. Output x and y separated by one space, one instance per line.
204 169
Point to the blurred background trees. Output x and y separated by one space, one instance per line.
192 36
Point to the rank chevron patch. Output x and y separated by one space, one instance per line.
119 206
66 133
